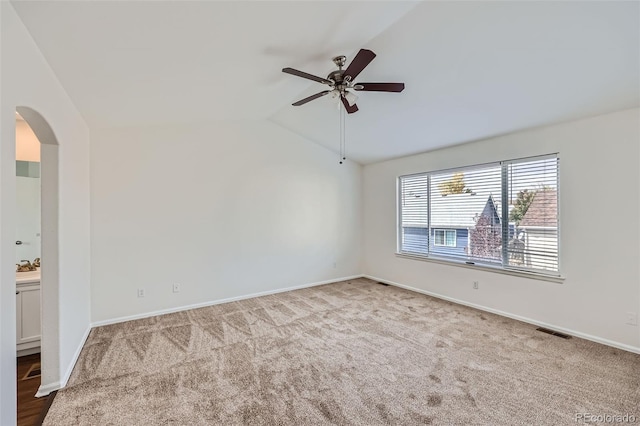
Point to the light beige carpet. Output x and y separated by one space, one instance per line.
349 353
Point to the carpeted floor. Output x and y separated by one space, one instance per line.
349 353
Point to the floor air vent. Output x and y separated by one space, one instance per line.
34 371
553 333
384 284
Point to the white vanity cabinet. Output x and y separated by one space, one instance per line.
28 316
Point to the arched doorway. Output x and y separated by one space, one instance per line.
49 343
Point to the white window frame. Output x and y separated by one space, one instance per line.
550 276
444 237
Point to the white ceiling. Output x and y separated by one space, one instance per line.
153 62
472 69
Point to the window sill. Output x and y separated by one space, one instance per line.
458 263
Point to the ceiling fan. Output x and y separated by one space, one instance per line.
341 82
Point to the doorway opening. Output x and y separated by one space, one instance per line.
28 262
28 239
37 286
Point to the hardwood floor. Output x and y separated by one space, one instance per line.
31 410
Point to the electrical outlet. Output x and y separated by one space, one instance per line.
141 292
632 318
475 285
176 288
335 265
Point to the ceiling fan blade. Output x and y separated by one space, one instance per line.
362 59
379 87
310 98
349 108
306 75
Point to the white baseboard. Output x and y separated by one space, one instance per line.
217 302
30 351
76 355
45 390
581 335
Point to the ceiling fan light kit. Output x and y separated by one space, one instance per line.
342 84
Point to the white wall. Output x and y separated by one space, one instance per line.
226 209
599 220
27 80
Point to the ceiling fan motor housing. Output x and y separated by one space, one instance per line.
336 76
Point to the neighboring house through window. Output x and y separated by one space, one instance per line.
502 214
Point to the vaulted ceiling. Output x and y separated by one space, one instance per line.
472 69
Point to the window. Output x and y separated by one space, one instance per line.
502 214
444 237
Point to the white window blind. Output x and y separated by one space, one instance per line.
503 214
415 213
533 199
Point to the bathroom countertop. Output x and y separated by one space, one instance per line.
28 277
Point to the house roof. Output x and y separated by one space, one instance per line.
543 210
458 210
